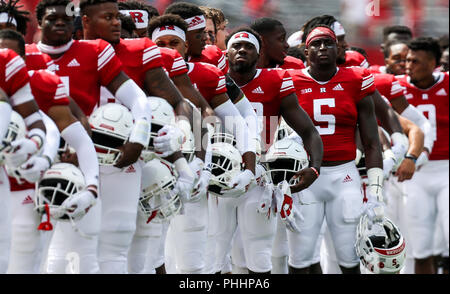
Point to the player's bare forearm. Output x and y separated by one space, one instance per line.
302 124
386 114
369 133
28 108
249 159
415 136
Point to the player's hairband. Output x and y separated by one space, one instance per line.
320 32
196 22
139 17
168 31
338 29
6 18
243 36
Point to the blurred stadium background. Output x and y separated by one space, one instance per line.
362 19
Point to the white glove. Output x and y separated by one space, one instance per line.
358 156
184 186
33 169
20 151
201 186
421 160
373 208
79 204
265 203
288 212
388 163
240 184
399 148
169 140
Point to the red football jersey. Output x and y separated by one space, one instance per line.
332 107
84 68
354 58
48 89
215 56
433 102
207 79
173 62
13 72
35 59
137 57
265 92
376 69
388 86
292 63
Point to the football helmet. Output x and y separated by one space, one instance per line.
111 126
162 114
188 147
157 199
283 130
16 130
60 182
284 159
226 162
380 248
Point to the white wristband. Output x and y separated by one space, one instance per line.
182 166
39 135
141 132
375 177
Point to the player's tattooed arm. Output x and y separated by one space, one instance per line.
368 128
157 83
386 114
302 124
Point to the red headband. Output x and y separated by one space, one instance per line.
320 32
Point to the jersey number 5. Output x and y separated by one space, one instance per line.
328 118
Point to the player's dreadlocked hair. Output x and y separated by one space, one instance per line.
265 25
184 9
136 5
84 4
8 34
21 16
427 44
244 29
166 20
40 8
398 29
313 22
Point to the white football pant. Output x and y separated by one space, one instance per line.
5 221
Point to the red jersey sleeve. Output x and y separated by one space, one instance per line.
291 62
173 62
287 85
151 57
108 64
213 82
48 89
14 72
366 81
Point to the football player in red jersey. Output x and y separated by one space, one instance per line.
50 95
170 30
140 13
394 58
345 57
428 190
337 119
398 33
274 50
273 98
84 66
196 36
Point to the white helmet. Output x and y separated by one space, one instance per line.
16 130
285 158
59 182
381 248
226 162
162 114
188 147
283 130
157 198
111 126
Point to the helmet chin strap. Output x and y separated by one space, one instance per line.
46 225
